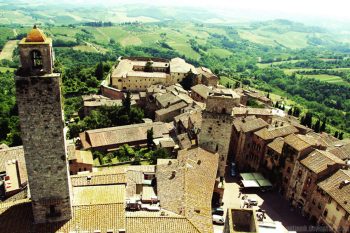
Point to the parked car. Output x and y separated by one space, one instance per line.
252 201
218 211
217 219
233 170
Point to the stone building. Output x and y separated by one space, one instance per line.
307 173
241 220
263 137
242 139
206 77
112 138
215 135
295 146
138 73
263 113
38 92
79 160
330 205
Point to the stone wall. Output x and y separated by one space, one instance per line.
42 129
46 54
221 104
215 135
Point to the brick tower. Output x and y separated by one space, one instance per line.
39 102
215 135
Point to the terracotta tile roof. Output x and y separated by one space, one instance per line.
205 72
179 65
341 149
271 133
251 111
253 124
167 99
159 225
171 108
98 178
17 218
184 141
300 142
185 186
35 35
324 138
277 145
332 186
193 116
121 134
318 161
16 153
98 195
143 168
201 90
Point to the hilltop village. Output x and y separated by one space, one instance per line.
212 140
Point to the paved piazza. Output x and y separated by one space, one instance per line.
276 207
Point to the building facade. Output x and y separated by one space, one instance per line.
215 135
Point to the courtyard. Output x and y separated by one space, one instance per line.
276 207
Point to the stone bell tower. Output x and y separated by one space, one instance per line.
39 100
215 134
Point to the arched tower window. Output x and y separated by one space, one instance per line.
37 60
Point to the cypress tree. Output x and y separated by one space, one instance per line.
317 126
336 134
323 126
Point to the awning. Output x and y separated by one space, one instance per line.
264 183
250 184
255 179
247 176
258 176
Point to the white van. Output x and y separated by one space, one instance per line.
217 219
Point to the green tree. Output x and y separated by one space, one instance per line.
149 66
237 84
323 126
99 71
188 81
336 134
127 102
317 126
150 138
160 153
296 112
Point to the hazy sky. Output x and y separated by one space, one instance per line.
336 9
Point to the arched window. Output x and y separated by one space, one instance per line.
223 110
37 60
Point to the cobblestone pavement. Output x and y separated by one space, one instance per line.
276 207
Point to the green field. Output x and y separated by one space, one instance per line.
264 65
7 52
225 80
326 78
293 40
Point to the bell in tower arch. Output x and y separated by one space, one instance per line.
36 54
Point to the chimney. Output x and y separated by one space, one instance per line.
344 183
